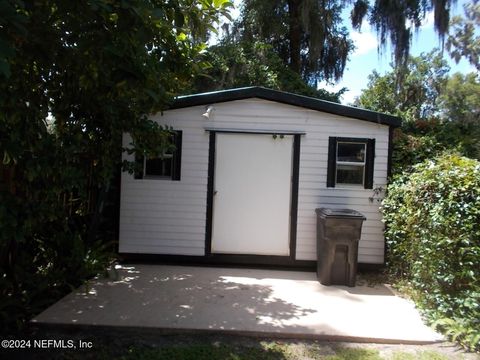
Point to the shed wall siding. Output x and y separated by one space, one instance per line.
169 217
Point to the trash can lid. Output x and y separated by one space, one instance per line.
339 213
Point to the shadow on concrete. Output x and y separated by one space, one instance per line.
179 299
182 297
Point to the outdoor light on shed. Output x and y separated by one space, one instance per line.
207 113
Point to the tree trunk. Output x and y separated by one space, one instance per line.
97 215
295 35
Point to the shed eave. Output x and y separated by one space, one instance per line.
285 98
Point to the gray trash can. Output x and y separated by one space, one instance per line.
338 233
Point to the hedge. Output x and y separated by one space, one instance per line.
432 218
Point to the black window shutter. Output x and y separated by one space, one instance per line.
332 161
138 166
370 160
177 158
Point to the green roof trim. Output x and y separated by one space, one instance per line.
285 98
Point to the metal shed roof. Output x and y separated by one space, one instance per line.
285 98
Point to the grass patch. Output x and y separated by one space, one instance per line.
205 352
269 351
272 351
354 354
422 355
154 347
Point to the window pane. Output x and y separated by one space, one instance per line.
351 152
166 166
350 174
159 167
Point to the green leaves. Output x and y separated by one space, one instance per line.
181 37
232 64
307 36
12 24
464 41
417 99
432 217
74 76
439 112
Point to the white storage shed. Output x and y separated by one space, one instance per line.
250 167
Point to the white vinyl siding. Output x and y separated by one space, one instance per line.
166 216
169 217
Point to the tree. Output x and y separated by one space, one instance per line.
460 104
309 37
439 112
75 75
463 42
460 98
398 20
417 99
306 35
239 64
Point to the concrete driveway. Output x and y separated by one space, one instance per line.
240 301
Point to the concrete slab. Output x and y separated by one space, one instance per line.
241 301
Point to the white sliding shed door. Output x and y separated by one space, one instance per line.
252 194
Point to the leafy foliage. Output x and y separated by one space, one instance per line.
460 98
252 64
75 75
460 101
397 21
433 235
306 35
463 41
309 38
417 99
439 112
418 142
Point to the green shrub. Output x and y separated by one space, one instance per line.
433 237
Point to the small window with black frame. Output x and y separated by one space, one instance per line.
165 166
350 162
